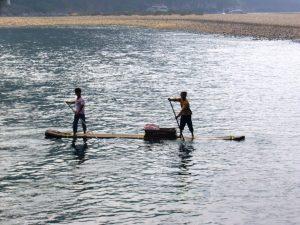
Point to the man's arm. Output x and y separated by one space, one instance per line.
70 102
181 111
174 99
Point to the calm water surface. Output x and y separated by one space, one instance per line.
236 86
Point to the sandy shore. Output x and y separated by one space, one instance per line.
267 25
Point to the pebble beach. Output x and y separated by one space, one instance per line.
259 25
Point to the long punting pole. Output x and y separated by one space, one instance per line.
181 135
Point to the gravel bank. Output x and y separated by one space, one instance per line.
264 25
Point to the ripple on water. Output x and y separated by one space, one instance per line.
236 86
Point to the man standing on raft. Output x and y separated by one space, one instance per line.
79 111
185 114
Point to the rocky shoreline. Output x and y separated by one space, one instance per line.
270 26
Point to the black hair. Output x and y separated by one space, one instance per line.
184 93
78 90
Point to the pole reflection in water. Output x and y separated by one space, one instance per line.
80 149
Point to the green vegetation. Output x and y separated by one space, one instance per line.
63 7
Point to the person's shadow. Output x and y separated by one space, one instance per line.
80 150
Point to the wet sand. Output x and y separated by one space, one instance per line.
260 25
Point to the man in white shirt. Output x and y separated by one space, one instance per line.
79 111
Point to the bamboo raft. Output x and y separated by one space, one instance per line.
164 134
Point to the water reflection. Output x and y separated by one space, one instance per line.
185 154
254 92
80 149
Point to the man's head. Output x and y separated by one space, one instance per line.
78 91
183 94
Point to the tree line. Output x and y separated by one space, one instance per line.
19 7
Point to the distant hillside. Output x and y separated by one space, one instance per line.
64 7
24 7
271 5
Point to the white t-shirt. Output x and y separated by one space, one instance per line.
78 104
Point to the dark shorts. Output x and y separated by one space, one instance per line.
186 119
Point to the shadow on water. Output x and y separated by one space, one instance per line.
185 154
80 150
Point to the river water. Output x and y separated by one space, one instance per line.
236 86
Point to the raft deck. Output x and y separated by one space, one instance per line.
59 134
